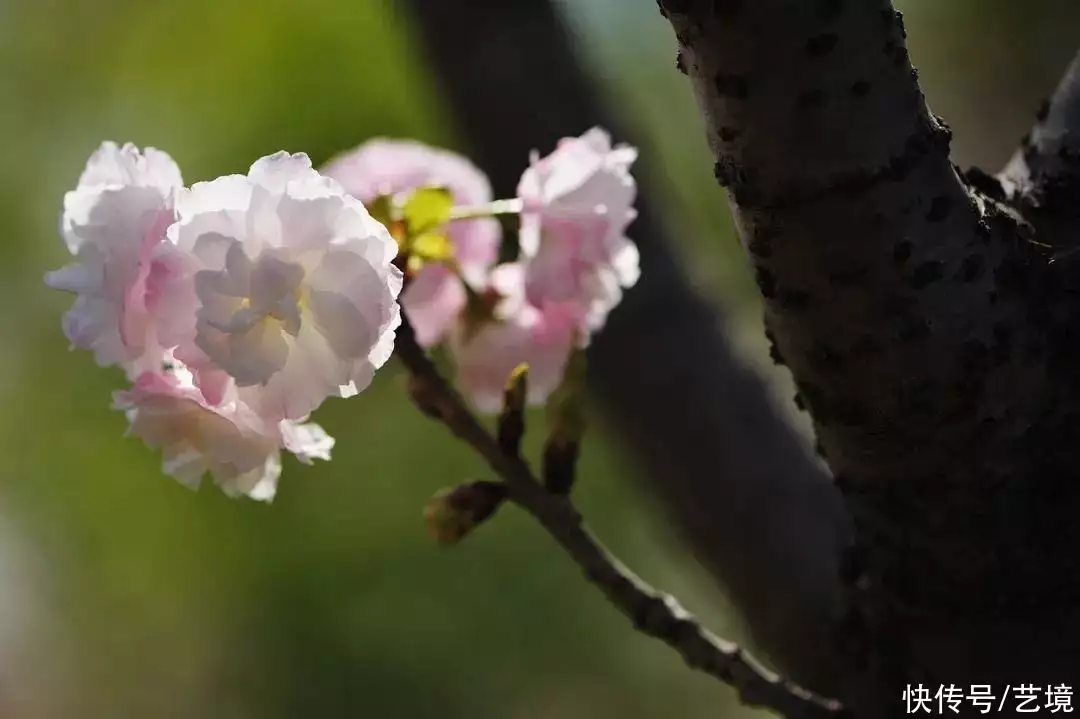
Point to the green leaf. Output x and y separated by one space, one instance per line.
431 247
427 209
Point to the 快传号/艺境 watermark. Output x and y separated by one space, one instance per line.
951 698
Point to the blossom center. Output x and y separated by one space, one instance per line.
247 309
248 294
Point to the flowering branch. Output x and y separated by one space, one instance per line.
653 613
710 444
237 306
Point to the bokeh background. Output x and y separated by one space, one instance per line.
123 594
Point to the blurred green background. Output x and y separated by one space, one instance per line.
123 594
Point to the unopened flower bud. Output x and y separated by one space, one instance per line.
453 513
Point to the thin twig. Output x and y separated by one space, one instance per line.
653 613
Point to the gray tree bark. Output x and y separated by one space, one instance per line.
1043 177
733 475
930 335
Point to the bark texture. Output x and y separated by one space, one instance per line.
732 473
1043 178
929 336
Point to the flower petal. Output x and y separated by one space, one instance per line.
307 441
432 302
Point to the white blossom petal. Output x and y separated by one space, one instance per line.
297 289
307 441
520 332
114 222
433 302
577 203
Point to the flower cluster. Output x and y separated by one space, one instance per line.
574 259
234 306
237 306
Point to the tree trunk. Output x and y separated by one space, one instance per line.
929 335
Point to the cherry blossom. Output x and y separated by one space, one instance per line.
576 205
129 305
237 447
383 166
517 332
236 306
296 293
395 168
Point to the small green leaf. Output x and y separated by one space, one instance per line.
432 247
427 209
512 418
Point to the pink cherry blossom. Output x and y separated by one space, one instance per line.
519 332
129 305
383 166
576 205
397 167
296 293
235 306
434 301
237 447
